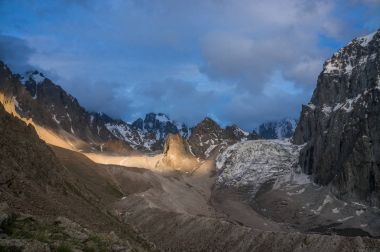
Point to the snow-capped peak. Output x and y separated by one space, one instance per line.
366 39
35 76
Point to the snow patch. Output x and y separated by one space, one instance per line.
345 219
209 150
55 119
311 106
364 41
92 120
162 118
335 210
15 102
296 192
326 109
328 199
35 76
359 212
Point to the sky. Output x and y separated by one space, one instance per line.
236 61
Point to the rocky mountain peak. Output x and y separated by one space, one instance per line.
340 125
207 137
207 125
337 80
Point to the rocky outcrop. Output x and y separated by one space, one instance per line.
177 155
341 124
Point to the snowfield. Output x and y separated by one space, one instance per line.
250 164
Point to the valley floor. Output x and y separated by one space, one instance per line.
194 211
259 203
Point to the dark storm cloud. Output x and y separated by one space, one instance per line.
182 100
101 96
240 62
15 52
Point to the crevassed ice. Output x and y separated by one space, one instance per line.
253 163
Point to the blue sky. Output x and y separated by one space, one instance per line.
237 61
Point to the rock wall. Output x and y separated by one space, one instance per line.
340 127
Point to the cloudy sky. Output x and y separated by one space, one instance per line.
237 61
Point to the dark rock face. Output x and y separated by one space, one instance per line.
341 124
23 154
277 129
138 124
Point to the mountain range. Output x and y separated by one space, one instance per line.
74 180
38 98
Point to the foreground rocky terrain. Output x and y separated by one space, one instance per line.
35 187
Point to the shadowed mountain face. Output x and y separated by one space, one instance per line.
25 158
341 124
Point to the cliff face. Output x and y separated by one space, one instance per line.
340 127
